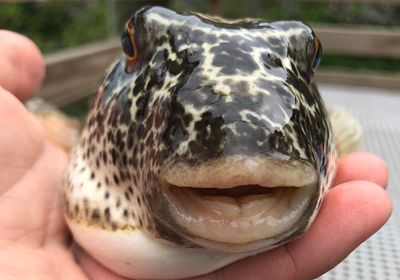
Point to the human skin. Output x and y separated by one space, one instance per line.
35 242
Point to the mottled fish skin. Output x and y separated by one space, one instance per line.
201 88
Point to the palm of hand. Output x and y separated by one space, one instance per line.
33 236
36 244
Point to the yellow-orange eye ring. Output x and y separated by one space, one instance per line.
128 41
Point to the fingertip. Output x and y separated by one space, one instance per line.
349 215
361 166
359 200
21 139
16 118
22 67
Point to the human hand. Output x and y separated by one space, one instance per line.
36 244
34 240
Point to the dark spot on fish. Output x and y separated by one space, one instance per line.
126 213
95 215
127 195
116 179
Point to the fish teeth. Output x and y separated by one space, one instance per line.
239 220
251 205
224 206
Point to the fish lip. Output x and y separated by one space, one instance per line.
169 177
229 171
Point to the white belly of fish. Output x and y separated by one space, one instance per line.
142 257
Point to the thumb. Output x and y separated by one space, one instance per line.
22 68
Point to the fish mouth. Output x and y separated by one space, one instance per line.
239 200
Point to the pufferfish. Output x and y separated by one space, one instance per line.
207 142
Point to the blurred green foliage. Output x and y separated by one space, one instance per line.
79 108
343 12
57 24
364 64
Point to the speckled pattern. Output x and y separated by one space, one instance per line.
201 88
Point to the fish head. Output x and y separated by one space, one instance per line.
211 133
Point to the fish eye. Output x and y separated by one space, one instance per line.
128 42
317 53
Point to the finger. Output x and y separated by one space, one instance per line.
349 215
361 166
21 65
94 269
65 263
34 203
21 140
